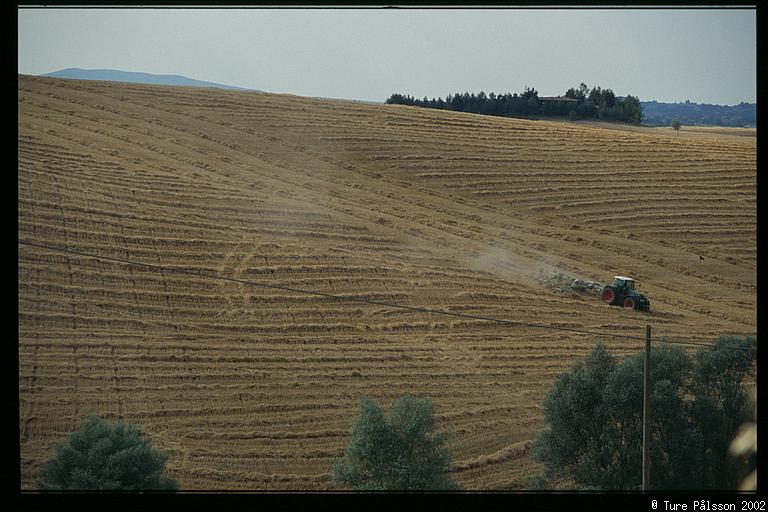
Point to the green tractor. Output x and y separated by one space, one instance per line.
622 293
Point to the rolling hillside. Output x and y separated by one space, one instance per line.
250 387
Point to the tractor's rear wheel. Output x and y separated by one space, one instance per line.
609 295
629 302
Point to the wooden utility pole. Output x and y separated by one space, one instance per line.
647 409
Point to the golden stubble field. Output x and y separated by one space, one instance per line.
257 388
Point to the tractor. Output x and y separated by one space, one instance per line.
622 293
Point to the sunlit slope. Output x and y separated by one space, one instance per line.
256 388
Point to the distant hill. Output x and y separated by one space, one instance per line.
697 114
114 75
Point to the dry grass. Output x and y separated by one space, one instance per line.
685 131
254 388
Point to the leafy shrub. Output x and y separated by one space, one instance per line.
398 451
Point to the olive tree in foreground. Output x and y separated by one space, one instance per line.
593 416
721 405
398 451
676 125
101 456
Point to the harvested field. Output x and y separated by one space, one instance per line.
256 388
685 131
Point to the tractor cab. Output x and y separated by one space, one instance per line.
622 293
624 282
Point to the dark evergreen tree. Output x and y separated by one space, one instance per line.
529 92
101 456
596 96
457 103
598 103
633 110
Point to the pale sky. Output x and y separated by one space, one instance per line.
701 55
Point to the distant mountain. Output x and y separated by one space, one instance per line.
692 114
113 75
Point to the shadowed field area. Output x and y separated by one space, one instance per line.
257 388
